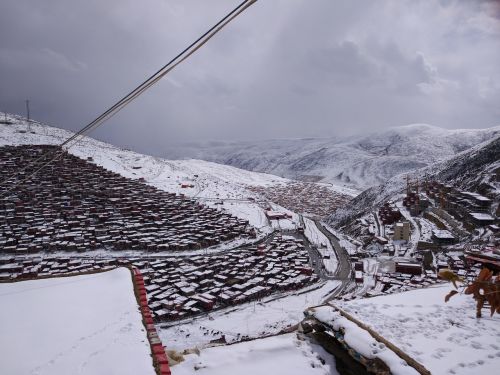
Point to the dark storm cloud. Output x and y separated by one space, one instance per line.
285 68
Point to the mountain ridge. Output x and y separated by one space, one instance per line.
356 161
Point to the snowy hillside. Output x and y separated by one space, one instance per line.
467 170
215 184
359 162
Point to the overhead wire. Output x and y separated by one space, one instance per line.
193 47
141 88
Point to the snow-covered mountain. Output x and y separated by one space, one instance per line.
359 162
474 169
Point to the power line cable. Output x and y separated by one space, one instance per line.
143 86
153 79
193 47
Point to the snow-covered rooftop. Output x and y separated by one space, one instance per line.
476 196
482 216
443 234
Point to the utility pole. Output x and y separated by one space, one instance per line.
28 114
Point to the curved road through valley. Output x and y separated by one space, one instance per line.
343 272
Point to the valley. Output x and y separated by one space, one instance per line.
231 256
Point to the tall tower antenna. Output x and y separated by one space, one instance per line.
28 114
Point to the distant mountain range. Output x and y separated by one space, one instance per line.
358 162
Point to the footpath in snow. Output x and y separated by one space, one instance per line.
87 324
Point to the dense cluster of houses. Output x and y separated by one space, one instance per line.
414 202
472 209
448 211
178 287
408 274
304 197
389 213
487 256
76 205
388 283
460 263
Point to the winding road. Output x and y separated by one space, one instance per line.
343 272
344 264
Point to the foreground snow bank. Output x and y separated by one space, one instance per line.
87 324
445 337
362 341
278 355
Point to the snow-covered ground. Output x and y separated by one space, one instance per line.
254 319
73 325
316 237
278 355
444 337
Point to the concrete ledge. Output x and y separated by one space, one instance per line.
409 360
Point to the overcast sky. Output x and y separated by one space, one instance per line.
283 69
